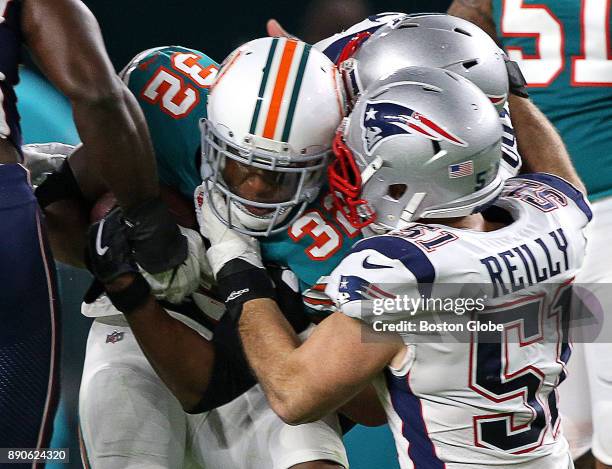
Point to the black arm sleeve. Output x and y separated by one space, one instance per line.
231 375
59 185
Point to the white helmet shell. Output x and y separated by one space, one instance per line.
275 106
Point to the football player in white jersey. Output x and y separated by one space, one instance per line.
419 159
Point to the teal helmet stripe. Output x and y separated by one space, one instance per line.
296 91
262 87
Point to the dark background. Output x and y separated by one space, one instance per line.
217 27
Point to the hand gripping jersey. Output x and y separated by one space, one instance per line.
10 56
563 48
487 400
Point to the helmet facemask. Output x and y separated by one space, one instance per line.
291 181
345 184
348 67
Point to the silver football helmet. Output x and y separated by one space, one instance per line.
422 143
272 114
426 40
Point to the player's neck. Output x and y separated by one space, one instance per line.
474 222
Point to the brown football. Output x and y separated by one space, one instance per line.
178 205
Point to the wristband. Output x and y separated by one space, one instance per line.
516 80
132 297
239 282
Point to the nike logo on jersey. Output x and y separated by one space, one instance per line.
100 250
369 265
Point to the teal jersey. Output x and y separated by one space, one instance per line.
313 245
563 48
171 85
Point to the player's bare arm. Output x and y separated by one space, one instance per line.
181 357
476 11
299 385
539 142
107 122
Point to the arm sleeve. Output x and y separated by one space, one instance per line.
232 374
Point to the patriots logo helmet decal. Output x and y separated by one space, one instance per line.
385 119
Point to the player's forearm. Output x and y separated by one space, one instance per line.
181 357
116 137
539 143
65 40
478 12
271 348
67 222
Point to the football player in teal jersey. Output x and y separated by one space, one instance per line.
563 48
172 85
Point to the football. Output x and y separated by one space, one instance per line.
178 205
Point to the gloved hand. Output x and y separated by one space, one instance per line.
176 284
108 253
234 257
156 240
41 159
109 259
109 256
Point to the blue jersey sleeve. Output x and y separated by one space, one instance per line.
10 56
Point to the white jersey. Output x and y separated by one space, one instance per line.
486 400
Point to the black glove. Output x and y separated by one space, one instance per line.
108 257
240 281
516 80
108 252
156 240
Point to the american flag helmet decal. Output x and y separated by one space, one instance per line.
461 169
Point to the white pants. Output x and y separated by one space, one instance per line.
129 419
586 394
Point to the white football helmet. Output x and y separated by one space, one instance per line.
272 113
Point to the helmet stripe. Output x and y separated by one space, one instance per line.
279 88
262 86
295 94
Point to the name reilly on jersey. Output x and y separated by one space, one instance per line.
529 263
